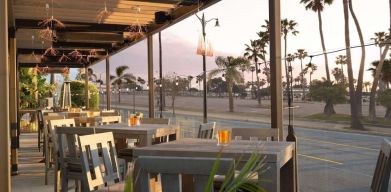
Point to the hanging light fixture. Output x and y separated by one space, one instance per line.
49 23
103 14
136 30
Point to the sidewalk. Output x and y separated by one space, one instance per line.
329 126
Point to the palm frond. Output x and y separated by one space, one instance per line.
119 71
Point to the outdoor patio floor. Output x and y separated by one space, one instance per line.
31 171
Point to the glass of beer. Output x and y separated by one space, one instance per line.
223 137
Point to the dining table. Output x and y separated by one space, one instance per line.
279 157
144 133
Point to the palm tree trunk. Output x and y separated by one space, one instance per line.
326 62
355 121
286 65
119 93
230 96
256 74
302 79
362 62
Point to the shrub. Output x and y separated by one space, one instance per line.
78 96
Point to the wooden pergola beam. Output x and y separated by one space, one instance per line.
72 26
38 52
90 37
52 65
80 45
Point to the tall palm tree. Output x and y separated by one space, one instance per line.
385 76
318 6
287 26
253 53
341 60
360 78
229 66
355 121
301 54
120 78
372 104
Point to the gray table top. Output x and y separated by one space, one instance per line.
275 152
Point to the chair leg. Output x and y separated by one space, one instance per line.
64 180
57 175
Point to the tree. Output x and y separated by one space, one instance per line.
377 76
253 53
301 54
318 6
311 68
287 26
120 78
338 75
329 93
32 84
341 60
360 78
229 66
174 85
385 100
385 75
367 84
355 121
380 39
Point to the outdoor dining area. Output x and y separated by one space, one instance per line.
104 149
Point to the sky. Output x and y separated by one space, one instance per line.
240 21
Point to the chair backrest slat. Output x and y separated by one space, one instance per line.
206 130
171 168
155 121
259 133
382 171
90 147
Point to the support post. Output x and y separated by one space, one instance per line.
275 66
86 89
108 86
5 174
151 106
13 102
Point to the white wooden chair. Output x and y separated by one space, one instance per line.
381 175
171 169
100 170
48 144
109 113
207 130
187 128
254 133
64 155
110 119
155 121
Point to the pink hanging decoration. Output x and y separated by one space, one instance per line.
201 46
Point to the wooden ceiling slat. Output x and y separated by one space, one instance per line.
98 5
83 12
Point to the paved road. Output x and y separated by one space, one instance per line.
328 160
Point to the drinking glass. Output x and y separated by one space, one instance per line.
224 137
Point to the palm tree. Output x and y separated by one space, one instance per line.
229 66
341 60
301 54
354 112
318 6
360 78
377 76
380 39
253 53
311 67
287 26
385 76
120 78
367 84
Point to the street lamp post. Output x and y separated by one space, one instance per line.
203 23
